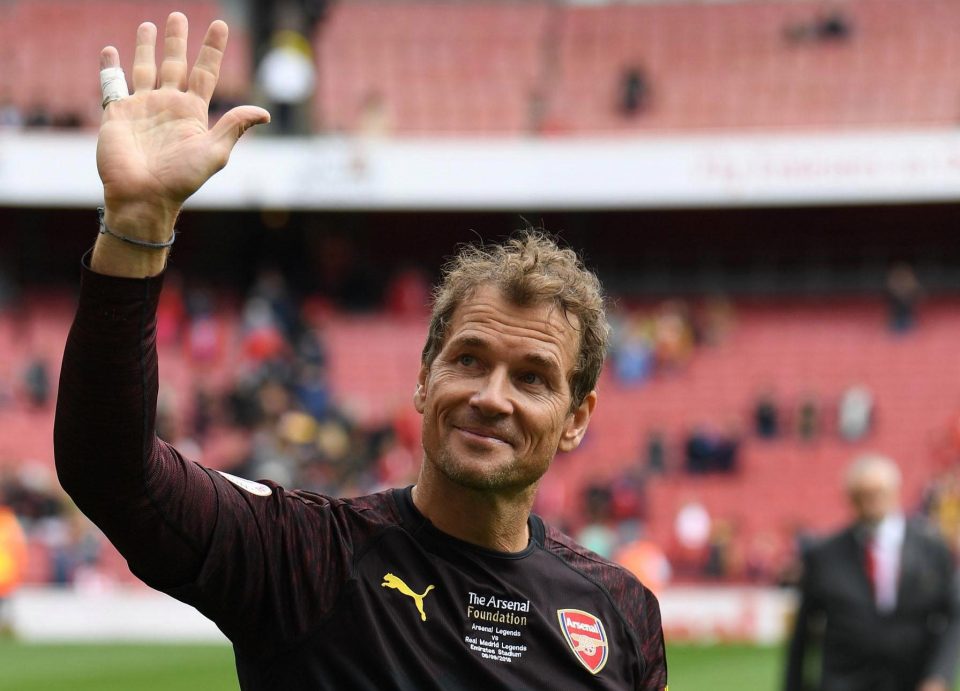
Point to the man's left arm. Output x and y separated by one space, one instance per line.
652 645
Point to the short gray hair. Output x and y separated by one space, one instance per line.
870 463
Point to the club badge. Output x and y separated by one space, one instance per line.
586 637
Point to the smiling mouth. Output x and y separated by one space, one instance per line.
481 435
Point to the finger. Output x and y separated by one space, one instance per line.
109 57
173 69
206 71
113 84
233 124
144 60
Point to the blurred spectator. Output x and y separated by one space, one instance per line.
643 557
942 507
171 310
38 117
903 293
29 492
766 415
832 26
204 345
632 352
710 449
719 562
692 528
656 461
673 335
855 413
599 538
634 91
10 115
13 562
808 418
68 120
716 321
36 383
286 76
628 496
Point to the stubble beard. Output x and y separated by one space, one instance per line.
511 476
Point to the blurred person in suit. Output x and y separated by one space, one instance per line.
881 594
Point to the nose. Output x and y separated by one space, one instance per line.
491 398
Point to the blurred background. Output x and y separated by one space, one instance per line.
768 189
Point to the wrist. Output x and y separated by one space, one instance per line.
141 220
122 250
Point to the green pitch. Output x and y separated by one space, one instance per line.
78 667
121 667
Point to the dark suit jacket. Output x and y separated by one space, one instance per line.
866 650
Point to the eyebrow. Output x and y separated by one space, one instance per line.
536 359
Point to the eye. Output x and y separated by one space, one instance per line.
531 379
467 360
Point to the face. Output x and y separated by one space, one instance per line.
496 401
874 495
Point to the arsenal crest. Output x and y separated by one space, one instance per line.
586 637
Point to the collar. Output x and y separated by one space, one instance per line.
891 529
425 531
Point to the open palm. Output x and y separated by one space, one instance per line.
154 148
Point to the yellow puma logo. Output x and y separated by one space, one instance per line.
391 581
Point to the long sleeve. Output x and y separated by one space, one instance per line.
261 562
157 508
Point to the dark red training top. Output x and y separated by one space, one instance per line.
322 593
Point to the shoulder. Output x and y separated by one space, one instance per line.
632 598
925 533
378 508
297 509
636 605
829 546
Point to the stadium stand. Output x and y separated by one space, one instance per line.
779 486
65 82
512 68
487 67
515 68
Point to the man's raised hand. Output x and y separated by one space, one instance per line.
155 148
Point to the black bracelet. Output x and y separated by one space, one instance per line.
133 241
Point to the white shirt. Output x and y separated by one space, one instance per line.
887 548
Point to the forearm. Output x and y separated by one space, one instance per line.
138 490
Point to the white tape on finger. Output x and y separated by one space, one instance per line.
113 85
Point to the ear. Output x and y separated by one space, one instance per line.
420 395
576 424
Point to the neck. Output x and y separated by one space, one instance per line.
494 519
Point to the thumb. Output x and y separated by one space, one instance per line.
235 122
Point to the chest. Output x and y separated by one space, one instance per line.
507 623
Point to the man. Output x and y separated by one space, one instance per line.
884 593
450 584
